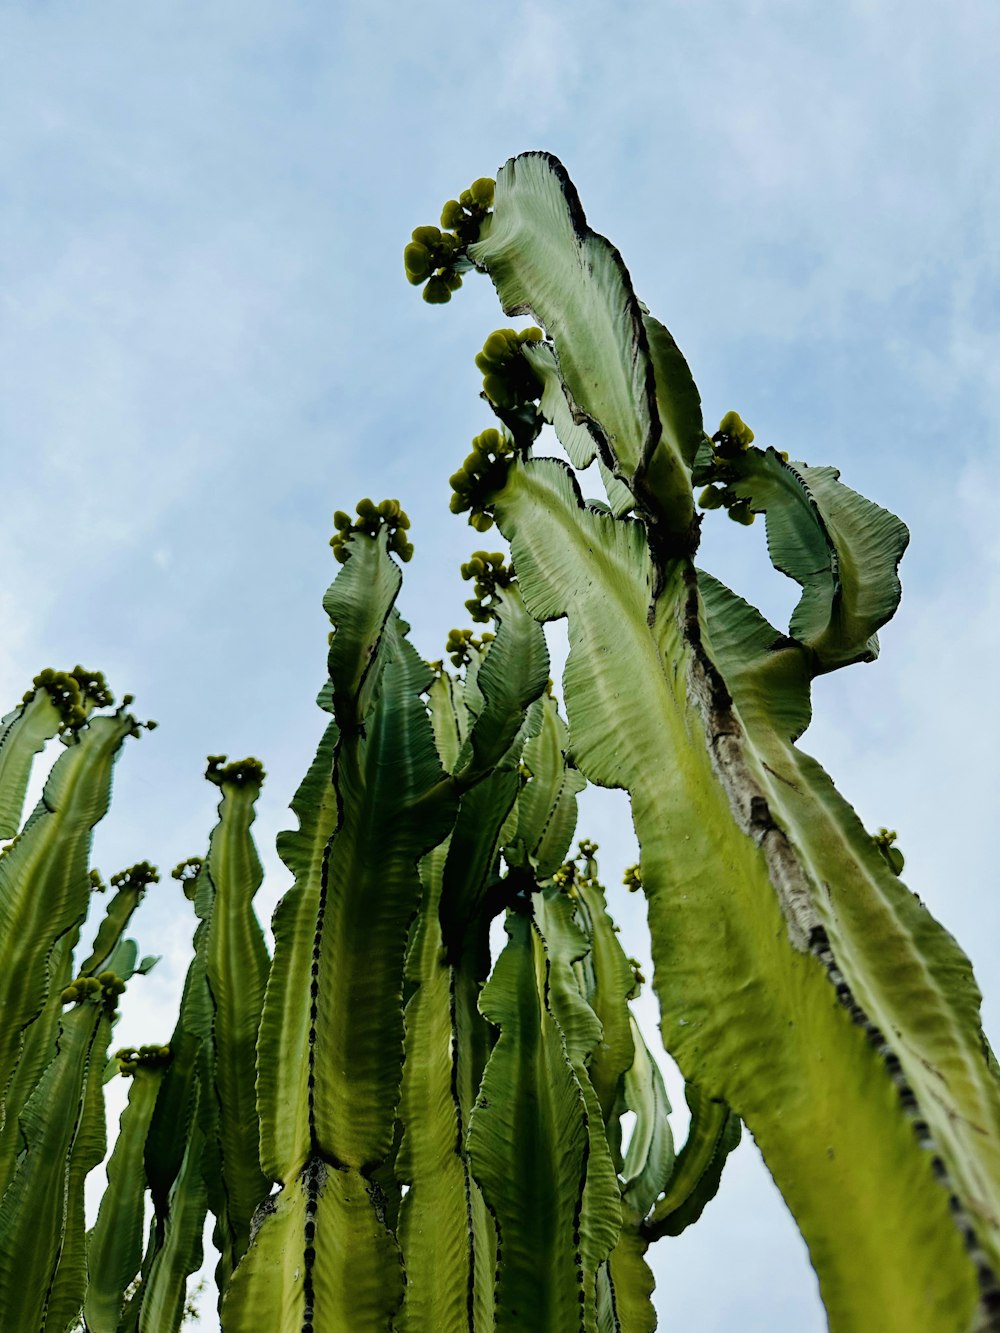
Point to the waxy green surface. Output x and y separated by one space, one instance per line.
748 854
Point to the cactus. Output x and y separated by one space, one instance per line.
857 1020
392 1129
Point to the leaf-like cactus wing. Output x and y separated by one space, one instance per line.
38 1048
283 1063
177 1242
842 549
114 1246
600 1216
546 808
578 437
236 967
472 854
649 1160
117 915
713 1134
608 983
44 882
545 261
393 813
23 733
744 841
511 676
42 1258
445 1232
347 1275
529 1126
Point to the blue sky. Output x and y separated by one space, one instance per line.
207 345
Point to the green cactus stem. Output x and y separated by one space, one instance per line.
795 903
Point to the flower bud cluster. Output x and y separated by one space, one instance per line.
242 773
508 380
433 258
729 444
186 873
74 694
884 840
145 1057
462 644
464 215
135 877
371 517
490 573
631 879
571 873
565 877
94 687
483 472
106 986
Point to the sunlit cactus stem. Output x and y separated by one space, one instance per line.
857 1019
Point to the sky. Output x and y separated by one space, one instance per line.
207 345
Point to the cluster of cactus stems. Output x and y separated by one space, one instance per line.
391 1128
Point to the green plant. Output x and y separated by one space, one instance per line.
391 1128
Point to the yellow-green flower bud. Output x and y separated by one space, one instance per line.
428 237
417 262
496 348
452 214
437 291
741 512
733 425
483 191
497 390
